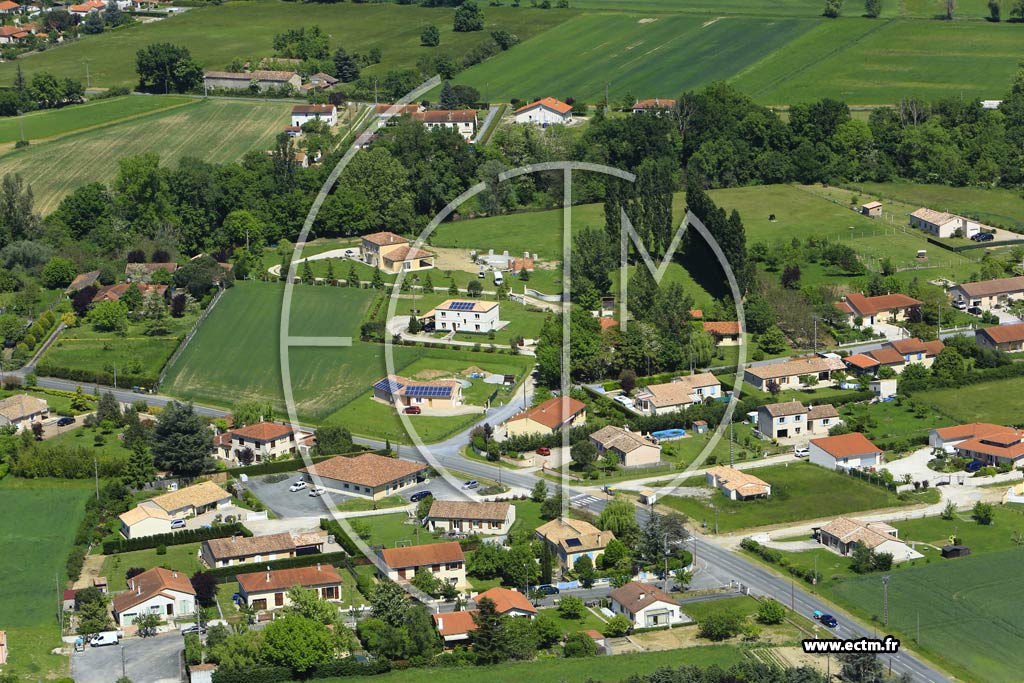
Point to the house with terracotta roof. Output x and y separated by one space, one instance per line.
544 112
846 451
144 520
470 517
427 395
388 112
571 539
548 417
456 627
646 605
190 500
238 549
21 410
393 253
263 79
656 105
9 7
459 315
12 34
865 311
143 272
679 394
115 292
83 280
988 294
724 332
1008 338
995 447
631 449
367 475
842 535
268 590
788 373
266 440
462 121
445 561
896 354
165 592
792 421
736 484
947 438
304 113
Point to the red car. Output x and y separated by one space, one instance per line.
543 450
413 410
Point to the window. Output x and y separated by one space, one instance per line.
330 593
170 609
259 604
278 599
435 568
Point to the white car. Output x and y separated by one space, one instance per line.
317 491
471 484
960 305
624 400
297 486
801 452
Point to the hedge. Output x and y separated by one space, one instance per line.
290 465
340 536
123 545
228 574
348 666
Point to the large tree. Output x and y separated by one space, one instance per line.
298 643
489 641
181 442
164 67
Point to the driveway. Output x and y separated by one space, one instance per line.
915 464
146 660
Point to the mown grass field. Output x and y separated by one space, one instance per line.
214 131
216 35
999 401
41 517
993 205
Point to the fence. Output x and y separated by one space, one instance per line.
188 337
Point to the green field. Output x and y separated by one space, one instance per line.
984 402
216 35
992 205
40 521
965 9
184 558
215 131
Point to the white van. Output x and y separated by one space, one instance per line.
104 638
499 279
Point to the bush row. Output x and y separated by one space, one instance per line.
342 538
228 574
48 369
123 545
772 556
348 666
279 466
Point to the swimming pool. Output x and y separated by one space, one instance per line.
668 434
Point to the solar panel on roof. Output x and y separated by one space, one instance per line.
428 391
462 305
388 385
573 542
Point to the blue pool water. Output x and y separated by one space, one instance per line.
669 433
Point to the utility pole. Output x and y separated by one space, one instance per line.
792 595
885 600
606 102
96 472
375 90
731 443
87 81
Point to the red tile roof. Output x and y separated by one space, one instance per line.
846 445
550 103
263 431
406 253
384 239
966 431
149 584
634 596
423 555
445 116
859 360
506 600
870 305
607 323
655 103
1005 443
696 313
550 413
1004 334
399 109
314 109
724 328
283 579
915 345
8 5
455 623
887 356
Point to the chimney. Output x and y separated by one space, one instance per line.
440 624
174 575
138 589
268 573
641 596
526 254
318 566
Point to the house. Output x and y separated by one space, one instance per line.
1009 338
267 441
444 561
646 605
84 9
320 80
100 584
544 112
737 485
455 627
115 292
788 373
656 105
268 590
861 363
238 549
571 539
21 410
679 394
304 113
632 449
883 388
995 447
724 332
470 517
846 451
143 272
403 393
989 294
367 475
293 131
549 417
201 673
842 535
83 280
896 355
264 80
462 121
947 438
392 253
943 225
191 500
385 112
12 34
863 310
68 601
871 209
143 521
457 315
792 420
9 7
164 592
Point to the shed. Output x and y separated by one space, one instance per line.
648 497
949 551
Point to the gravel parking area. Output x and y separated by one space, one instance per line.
146 660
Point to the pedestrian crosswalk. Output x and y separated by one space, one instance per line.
583 500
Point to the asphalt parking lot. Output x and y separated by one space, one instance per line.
146 660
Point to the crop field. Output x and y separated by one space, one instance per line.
215 131
216 35
965 9
47 512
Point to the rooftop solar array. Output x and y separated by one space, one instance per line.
573 542
428 391
388 385
462 305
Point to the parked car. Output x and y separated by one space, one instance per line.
974 466
297 486
317 491
194 628
543 450
801 451
177 524
548 589
65 421
419 495
960 305
105 638
428 326
983 237
481 274
412 410
975 310
471 484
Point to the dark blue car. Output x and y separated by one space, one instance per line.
974 466
419 495
828 620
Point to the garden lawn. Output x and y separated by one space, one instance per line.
1000 401
59 405
522 321
800 491
85 437
590 621
183 558
898 420
527 515
390 531
362 504
40 518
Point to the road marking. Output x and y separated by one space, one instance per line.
320 341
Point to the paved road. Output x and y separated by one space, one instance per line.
146 660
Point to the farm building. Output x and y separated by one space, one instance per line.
842 535
21 410
942 225
368 475
737 485
404 393
304 113
871 309
445 561
462 121
871 209
571 539
548 417
1009 338
264 80
988 294
544 112
646 605
792 420
847 451
165 592
470 517
787 373
457 315
679 394
392 253
268 590
632 449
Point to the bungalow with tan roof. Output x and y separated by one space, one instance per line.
571 539
944 225
988 294
445 561
679 394
462 121
402 393
455 627
865 311
191 500
737 485
1008 338
995 447
846 451
548 417
263 79
788 373
724 332
646 605
143 272
470 517
367 475
842 535
631 449
144 520
164 592
393 253
268 590
305 113
238 549
83 280
657 105
115 292
792 420
459 315
21 410
544 112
